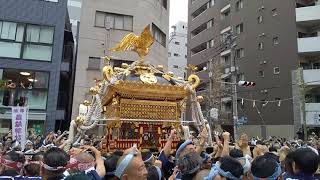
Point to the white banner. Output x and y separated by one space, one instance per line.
19 124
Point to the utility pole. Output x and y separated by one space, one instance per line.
302 101
232 44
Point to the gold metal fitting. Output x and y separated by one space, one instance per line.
86 103
200 99
79 120
171 74
160 67
125 65
94 90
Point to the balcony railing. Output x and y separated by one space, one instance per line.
309 45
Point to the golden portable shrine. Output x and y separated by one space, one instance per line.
139 102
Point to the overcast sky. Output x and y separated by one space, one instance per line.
178 11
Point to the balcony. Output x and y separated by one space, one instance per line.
313 113
309 46
308 16
312 77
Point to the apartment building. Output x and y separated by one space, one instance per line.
104 24
177 49
269 44
308 39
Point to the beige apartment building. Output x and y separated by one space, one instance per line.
103 24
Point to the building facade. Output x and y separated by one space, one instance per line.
105 23
266 49
74 9
177 49
308 38
36 62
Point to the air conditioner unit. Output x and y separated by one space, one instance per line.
262 7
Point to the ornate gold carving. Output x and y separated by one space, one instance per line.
200 99
139 44
153 110
79 121
94 90
160 67
192 68
107 73
86 103
148 78
194 80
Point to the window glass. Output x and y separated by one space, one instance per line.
0 28
34 99
8 30
24 88
20 32
33 33
9 49
37 52
118 23
99 21
128 23
110 20
41 80
46 35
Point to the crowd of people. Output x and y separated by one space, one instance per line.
248 159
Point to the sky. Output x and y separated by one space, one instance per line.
178 11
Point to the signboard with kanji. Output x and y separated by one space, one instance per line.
19 124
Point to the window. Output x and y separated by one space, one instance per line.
261 73
176 55
114 21
24 88
35 44
164 3
240 53
169 54
199 11
225 15
199 49
185 56
210 24
276 70
177 43
212 2
118 63
239 28
274 12
275 41
158 35
260 46
239 5
175 66
241 77
94 63
260 19
226 59
211 43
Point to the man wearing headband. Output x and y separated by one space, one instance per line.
189 165
154 172
305 164
131 166
227 168
54 164
266 168
11 164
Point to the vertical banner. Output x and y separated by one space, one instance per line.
19 124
